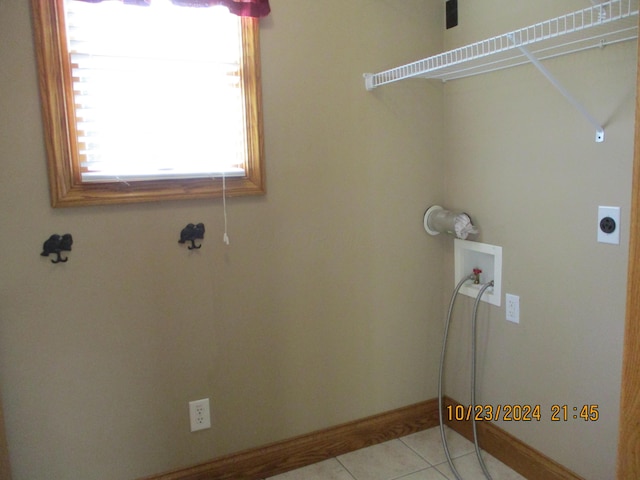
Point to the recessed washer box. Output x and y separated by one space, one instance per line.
488 258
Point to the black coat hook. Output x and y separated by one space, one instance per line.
56 244
190 233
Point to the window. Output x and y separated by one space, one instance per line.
136 108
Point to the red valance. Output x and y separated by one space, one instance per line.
243 8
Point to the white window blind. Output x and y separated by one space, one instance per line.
157 91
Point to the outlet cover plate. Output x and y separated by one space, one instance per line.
512 307
199 415
614 214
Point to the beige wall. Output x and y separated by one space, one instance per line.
328 304
325 308
524 163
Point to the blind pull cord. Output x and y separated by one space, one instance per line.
225 237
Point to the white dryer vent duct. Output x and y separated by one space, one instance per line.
438 220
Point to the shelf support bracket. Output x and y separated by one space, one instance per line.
565 93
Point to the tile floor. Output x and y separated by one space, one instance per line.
415 457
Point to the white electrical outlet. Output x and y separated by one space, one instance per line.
609 225
512 304
199 414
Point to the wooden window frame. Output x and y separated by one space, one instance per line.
66 187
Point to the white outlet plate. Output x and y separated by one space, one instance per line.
199 415
613 237
512 307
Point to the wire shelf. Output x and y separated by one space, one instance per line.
607 23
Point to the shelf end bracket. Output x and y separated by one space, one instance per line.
368 81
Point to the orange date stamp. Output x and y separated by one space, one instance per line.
522 413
